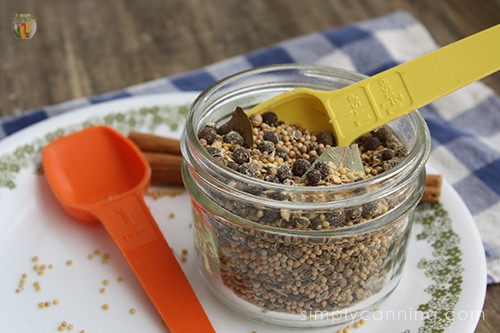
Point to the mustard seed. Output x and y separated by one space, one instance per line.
105 307
105 282
70 327
69 262
132 311
119 279
102 290
34 259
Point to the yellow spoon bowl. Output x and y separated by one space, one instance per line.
361 107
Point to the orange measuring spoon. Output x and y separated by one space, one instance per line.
98 174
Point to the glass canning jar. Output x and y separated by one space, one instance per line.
299 278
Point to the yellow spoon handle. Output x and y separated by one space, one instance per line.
386 96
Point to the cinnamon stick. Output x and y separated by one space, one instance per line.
155 143
432 192
165 168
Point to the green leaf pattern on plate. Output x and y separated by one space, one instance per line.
444 268
145 119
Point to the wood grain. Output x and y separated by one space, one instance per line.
90 47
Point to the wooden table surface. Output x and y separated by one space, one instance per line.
89 47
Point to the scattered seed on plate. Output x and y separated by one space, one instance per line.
55 302
157 194
105 258
105 282
119 279
102 290
35 259
97 252
105 307
132 311
69 262
171 215
62 326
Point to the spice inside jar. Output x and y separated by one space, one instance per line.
282 232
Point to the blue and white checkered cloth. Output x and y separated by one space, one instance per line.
464 125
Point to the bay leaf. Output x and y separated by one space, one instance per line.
240 123
341 156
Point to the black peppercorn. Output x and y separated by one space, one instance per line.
249 169
323 168
234 138
266 146
224 129
371 143
353 213
386 154
241 155
208 134
214 151
283 173
336 218
271 179
233 165
313 177
270 136
270 118
280 152
300 222
401 151
300 166
325 138
383 133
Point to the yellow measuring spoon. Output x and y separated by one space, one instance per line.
361 107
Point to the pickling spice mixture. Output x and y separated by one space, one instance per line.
282 153
289 273
288 154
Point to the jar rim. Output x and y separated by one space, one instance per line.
197 158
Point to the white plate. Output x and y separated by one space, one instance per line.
445 272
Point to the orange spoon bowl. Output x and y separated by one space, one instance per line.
97 174
91 167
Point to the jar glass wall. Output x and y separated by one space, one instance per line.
290 277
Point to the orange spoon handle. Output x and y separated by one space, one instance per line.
128 220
